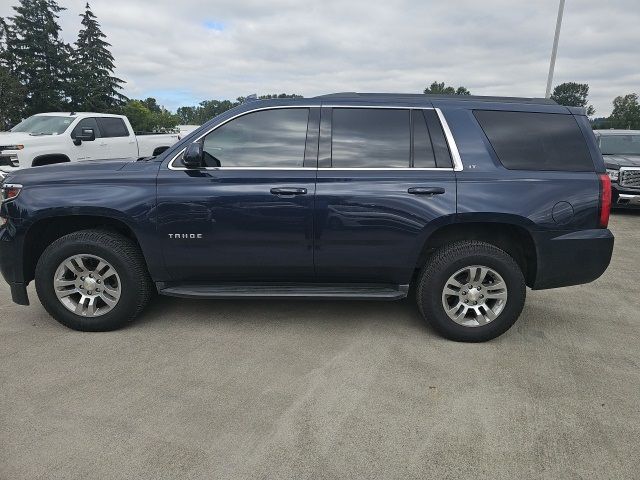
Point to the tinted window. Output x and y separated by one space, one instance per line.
86 123
439 141
268 138
536 141
113 127
423 156
369 137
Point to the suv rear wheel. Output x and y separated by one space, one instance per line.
471 291
93 280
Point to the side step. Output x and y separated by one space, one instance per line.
286 290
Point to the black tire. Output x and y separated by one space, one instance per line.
449 259
122 253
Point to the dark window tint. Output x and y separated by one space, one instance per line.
536 141
113 127
440 148
369 137
268 138
422 149
84 124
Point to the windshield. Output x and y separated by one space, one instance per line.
620 144
43 125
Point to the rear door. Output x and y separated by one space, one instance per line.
118 140
248 215
385 181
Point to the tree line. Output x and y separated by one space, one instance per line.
625 114
39 72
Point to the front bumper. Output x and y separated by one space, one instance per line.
11 265
572 258
622 197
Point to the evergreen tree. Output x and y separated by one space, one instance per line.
94 88
12 96
39 58
7 47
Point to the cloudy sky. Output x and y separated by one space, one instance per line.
182 52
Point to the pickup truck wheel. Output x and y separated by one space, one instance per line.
93 280
471 291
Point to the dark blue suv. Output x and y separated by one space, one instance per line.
464 200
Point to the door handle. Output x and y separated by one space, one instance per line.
288 191
426 190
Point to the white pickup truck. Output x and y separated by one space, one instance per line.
49 138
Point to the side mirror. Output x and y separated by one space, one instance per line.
193 156
87 135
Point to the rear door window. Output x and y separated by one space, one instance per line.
423 156
370 138
113 127
536 141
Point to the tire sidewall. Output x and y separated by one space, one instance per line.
45 271
516 291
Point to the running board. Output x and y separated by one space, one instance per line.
284 290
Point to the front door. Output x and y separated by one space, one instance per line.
248 215
385 182
90 150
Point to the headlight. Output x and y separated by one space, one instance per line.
10 191
11 147
613 174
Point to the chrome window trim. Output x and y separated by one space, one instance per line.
388 169
453 148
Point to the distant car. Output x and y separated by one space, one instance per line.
621 152
60 137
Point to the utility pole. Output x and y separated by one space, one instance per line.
554 51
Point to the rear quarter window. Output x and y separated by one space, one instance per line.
536 141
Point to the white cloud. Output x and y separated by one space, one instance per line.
186 51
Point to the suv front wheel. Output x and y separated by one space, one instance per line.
471 291
93 280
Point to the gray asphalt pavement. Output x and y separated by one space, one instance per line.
329 389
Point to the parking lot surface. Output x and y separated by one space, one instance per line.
329 389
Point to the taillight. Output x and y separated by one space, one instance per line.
605 200
10 191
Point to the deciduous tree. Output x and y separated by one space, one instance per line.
626 112
441 89
573 94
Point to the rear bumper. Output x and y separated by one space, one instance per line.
572 259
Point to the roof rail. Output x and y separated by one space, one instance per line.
416 96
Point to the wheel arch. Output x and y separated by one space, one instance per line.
513 238
49 159
46 230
